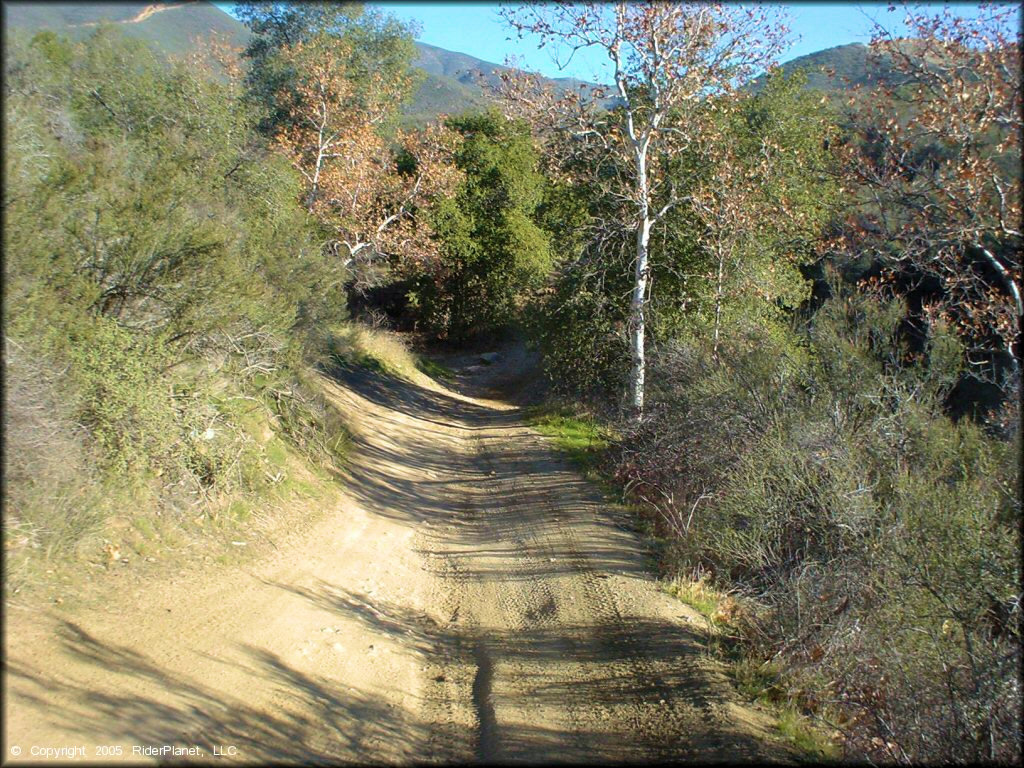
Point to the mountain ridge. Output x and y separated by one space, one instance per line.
453 81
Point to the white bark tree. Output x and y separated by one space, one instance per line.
666 59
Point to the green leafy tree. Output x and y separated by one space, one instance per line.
758 204
378 48
751 209
492 251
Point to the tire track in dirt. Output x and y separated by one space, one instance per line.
630 687
540 609
623 659
473 600
530 604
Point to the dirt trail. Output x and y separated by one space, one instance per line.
471 600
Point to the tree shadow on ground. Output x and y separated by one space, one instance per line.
558 665
319 720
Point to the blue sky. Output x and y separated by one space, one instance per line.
477 29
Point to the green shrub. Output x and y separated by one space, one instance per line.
53 498
874 540
122 399
158 266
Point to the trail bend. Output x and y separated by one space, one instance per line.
472 599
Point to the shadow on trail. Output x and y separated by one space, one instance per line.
608 654
318 720
418 402
481 487
420 477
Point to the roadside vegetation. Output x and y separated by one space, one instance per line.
169 303
150 356
784 328
827 458
584 439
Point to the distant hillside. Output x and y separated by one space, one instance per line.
463 67
451 85
172 27
839 68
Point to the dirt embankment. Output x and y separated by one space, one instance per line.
471 599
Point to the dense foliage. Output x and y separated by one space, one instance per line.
378 49
158 274
875 540
329 80
492 252
724 257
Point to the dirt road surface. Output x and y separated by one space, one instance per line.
471 600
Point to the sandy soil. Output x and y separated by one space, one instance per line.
472 599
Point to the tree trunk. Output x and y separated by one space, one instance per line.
1018 303
314 187
719 295
637 322
636 309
